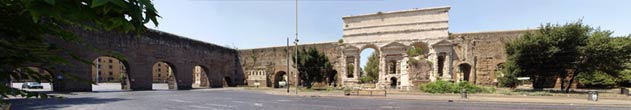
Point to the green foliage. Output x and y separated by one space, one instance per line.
314 67
366 79
415 51
448 87
554 49
509 75
624 78
350 70
412 61
597 79
372 69
25 24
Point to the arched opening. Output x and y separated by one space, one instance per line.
200 78
441 63
465 70
422 49
393 82
369 65
109 74
350 67
280 79
163 76
227 82
40 79
392 67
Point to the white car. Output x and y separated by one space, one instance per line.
282 83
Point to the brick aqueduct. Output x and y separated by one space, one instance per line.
473 57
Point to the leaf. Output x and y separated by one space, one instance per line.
97 3
120 3
51 2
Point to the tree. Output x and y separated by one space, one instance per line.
603 59
314 66
548 52
372 68
568 50
26 24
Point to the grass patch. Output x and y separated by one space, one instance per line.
449 87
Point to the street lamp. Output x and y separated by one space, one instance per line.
288 75
296 49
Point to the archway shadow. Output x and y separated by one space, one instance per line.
30 104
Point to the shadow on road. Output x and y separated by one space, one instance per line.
28 104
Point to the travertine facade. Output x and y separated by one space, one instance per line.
390 34
473 57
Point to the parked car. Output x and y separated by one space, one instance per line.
282 84
32 85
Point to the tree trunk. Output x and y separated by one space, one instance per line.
538 83
562 78
567 90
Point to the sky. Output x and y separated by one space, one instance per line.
247 24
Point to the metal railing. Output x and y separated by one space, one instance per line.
360 92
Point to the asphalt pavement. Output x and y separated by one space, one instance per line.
239 99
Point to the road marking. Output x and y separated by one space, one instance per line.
220 105
258 104
195 106
206 108
284 100
390 107
181 101
239 102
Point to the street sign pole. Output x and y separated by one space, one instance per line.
287 74
296 49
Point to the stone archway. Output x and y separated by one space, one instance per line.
200 77
280 79
424 47
107 72
164 76
365 54
393 82
227 82
465 70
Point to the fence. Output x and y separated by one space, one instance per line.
359 92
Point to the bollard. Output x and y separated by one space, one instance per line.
592 96
463 94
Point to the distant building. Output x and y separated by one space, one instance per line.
161 72
108 69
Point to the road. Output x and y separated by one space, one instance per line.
98 87
237 99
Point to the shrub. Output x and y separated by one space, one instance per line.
366 79
448 87
624 78
597 79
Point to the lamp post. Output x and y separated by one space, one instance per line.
288 56
98 71
296 49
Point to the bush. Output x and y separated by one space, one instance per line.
366 79
448 87
597 79
624 78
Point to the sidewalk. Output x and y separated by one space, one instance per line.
572 99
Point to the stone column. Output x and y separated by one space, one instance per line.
357 67
382 71
434 59
447 64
